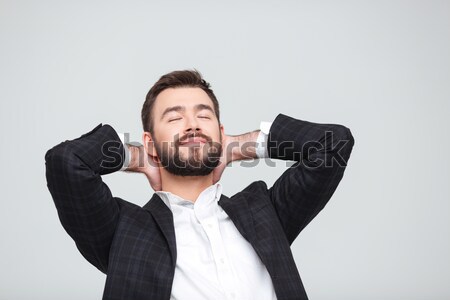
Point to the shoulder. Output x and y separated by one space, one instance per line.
255 194
130 211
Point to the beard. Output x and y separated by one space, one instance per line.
200 161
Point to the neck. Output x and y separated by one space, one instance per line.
186 187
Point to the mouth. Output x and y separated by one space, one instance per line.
193 141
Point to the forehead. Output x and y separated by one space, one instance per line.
188 97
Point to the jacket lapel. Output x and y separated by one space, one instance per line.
164 218
239 212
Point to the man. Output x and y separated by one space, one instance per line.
190 241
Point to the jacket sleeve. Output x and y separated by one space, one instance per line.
320 152
85 206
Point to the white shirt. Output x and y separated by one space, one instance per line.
214 261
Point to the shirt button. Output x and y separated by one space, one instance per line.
222 261
210 225
233 295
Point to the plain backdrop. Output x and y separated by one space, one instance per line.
381 68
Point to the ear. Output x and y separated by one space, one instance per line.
222 131
149 145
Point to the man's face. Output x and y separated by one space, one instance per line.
187 135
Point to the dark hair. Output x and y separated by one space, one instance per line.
185 78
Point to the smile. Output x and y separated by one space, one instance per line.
193 141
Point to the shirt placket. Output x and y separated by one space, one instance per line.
210 224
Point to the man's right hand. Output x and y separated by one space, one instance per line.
141 162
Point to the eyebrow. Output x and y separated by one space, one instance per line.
180 108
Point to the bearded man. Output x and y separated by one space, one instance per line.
190 241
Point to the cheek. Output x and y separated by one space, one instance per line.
168 134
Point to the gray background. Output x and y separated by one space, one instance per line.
381 68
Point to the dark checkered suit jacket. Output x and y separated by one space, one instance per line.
135 246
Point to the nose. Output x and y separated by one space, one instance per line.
192 125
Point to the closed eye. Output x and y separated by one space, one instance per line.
174 119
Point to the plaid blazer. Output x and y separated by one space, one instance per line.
135 246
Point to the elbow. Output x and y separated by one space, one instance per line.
57 159
54 154
350 140
343 144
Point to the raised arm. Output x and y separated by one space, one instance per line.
322 152
87 210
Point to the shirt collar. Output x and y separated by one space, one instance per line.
208 195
